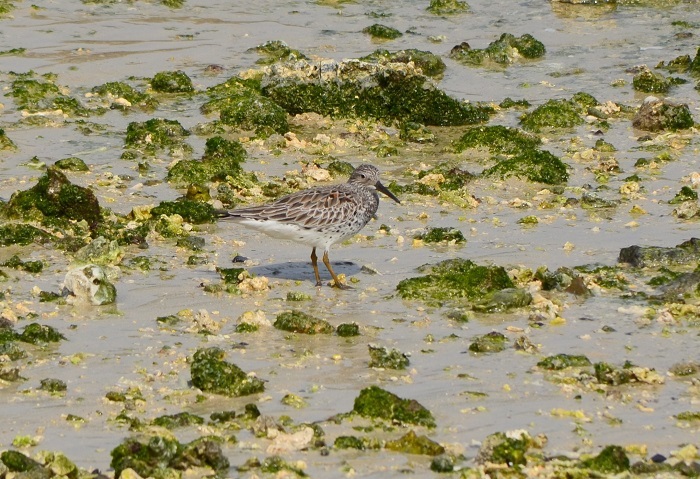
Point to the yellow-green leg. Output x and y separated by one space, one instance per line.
336 281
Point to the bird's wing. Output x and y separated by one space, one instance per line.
306 208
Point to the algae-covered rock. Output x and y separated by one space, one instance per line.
29 266
255 113
275 51
563 361
686 253
72 163
411 443
497 139
22 234
553 114
503 300
648 81
182 419
88 284
155 135
385 358
300 322
194 212
683 288
5 142
222 158
447 7
611 460
41 94
686 193
382 32
434 181
40 334
440 235
454 279
657 115
18 462
347 330
122 96
211 373
100 251
367 90
53 385
614 376
55 198
493 342
172 82
508 448
533 165
165 457
430 64
506 50
375 402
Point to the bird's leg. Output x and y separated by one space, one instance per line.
336 281
314 263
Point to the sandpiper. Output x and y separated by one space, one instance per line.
319 217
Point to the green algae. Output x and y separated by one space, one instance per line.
5 142
611 460
506 448
354 442
40 334
450 179
53 385
72 163
553 114
115 92
347 330
55 198
18 462
503 300
382 32
385 95
648 81
277 51
561 361
231 275
255 113
297 296
506 50
375 402
194 243
292 400
497 139
40 94
211 373
29 266
429 63
452 280
387 358
411 443
493 342
222 159
162 457
300 322
538 166
440 235
172 82
415 133
447 7
686 193
277 465
156 135
194 212
182 419
340 168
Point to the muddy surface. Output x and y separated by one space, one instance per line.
113 348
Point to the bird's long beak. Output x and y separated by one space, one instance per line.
380 187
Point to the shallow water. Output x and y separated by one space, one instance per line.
87 45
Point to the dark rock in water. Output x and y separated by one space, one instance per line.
683 286
658 458
686 253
